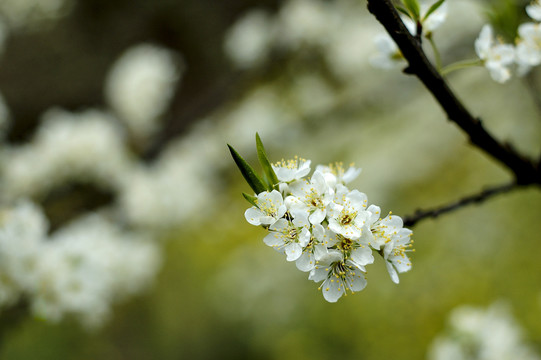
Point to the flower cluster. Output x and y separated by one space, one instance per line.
499 58
482 334
428 18
327 229
81 270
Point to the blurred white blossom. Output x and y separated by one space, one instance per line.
87 147
140 86
496 57
249 40
528 49
481 334
81 270
305 22
534 10
388 55
27 13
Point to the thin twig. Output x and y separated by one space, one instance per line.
524 170
476 198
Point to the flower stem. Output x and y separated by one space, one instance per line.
461 65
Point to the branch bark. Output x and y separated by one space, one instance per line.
524 170
472 199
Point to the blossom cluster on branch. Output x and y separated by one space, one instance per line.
499 58
327 229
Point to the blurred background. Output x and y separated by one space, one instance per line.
123 222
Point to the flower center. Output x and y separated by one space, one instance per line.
347 218
346 244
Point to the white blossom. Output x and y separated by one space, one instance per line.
390 238
496 57
249 40
270 208
291 170
534 10
347 214
327 229
87 147
335 174
310 197
528 49
314 249
81 270
338 274
89 265
388 54
475 333
140 86
28 13
23 231
436 18
304 22
289 237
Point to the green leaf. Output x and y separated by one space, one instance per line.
270 175
403 11
433 8
413 7
251 199
248 172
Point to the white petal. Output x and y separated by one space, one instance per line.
293 251
318 231
299 188
253 215
305 262
534 11
304 169
392 272
274 197
357 200
392 222
484 42
362 256
281 225
317 216
357 281
351 174
367 238
402 264
374 213
320 251
300 217
318 183
318 273
274 240
332 289
499 73
304 237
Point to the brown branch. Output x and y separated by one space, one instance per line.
472 199
523 169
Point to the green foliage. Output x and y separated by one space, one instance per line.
270 175
413 8
433 8
251 199
505 16
254 180
267 182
